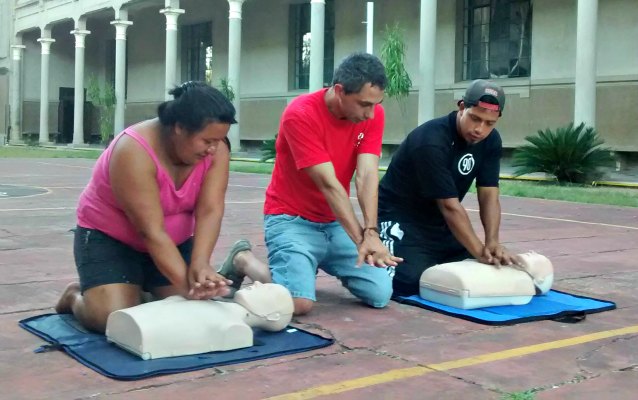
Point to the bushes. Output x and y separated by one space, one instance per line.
268 151
571 154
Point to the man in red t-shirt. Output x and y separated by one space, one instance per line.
309 220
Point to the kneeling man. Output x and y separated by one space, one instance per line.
421 218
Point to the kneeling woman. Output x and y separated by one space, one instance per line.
150 216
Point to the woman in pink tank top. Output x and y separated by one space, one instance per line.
150 216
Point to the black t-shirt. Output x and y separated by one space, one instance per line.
432 163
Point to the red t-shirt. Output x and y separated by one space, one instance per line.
309 135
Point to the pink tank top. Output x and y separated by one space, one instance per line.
98 209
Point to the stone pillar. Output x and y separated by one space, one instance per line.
234 60
317 18
120 73
16 94
585 86
171 15
45 42
78 97
427 55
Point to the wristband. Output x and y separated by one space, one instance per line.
371 228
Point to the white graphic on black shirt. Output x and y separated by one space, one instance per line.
466 164
390 231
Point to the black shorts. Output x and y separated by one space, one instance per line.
102 260
421 247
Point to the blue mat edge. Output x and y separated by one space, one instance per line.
563 314
69 351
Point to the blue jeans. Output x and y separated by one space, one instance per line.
297 247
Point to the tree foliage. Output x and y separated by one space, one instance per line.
226 89
393 52
393 57
103 98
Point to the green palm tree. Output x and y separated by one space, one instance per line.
571 154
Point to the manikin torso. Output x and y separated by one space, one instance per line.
177 327
470 284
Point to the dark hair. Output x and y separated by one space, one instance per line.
194 105
358 69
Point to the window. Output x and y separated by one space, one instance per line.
496 38
197 52
300 32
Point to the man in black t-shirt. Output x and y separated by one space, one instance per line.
421 218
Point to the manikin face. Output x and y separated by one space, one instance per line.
358 107
539 268
190 149
475 123
268 300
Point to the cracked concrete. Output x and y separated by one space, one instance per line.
36 261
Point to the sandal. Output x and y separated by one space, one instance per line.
228 270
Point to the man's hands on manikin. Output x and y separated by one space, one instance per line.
496 254
372 251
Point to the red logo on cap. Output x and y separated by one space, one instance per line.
488 106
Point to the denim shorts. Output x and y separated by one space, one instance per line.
102 260
297 247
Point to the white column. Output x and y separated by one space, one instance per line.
427 55
317 18
370 27
585 87
120 73
78 97
45 42
234 59
16 94
171 14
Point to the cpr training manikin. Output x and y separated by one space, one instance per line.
470 284
176 326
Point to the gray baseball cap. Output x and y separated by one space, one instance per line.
480 88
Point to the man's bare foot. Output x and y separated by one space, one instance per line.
65 304
247 264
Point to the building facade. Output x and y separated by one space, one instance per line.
558 60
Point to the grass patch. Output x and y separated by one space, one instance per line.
44 152
542 190
252 167
570 192
526 395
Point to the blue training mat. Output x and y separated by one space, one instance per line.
93 350
554 305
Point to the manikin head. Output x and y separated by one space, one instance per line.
539 268
269 302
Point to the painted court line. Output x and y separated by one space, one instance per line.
245 202
564 220
36 209
404 373
65 165
248 186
